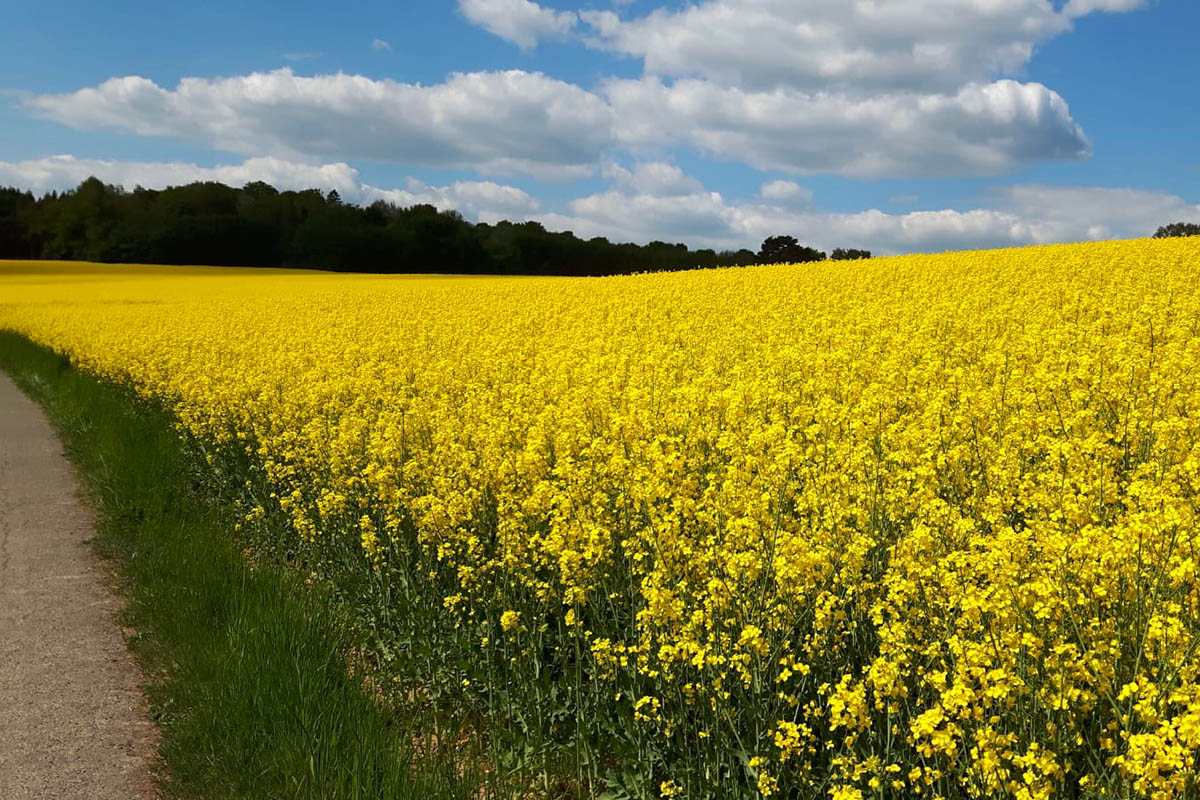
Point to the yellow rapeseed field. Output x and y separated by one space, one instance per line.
921 526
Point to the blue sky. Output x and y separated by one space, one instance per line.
897 125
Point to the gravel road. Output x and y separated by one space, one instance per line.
72 721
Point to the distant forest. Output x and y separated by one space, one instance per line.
259 226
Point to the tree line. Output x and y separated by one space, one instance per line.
260 226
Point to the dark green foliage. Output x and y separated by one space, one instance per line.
259 226
15 207
1177 229
848 254
247 666
786 250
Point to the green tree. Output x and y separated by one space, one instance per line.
1177 229
786 250
15 240
848 254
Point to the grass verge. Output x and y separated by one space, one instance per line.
246 668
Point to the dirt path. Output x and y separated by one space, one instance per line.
72 722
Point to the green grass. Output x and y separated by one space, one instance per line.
246 666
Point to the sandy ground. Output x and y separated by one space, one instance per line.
72 721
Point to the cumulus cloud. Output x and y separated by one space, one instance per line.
1105 212
475 199
865 89
980 129
380 46
515 122
495 122
700 218
518 21
1019 215
653 178
65 172
1078 8
926 45
786 192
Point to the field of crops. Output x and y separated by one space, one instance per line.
919 526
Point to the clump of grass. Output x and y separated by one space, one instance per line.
246 667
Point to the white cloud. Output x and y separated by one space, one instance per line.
1105 212
65 172
302 56
518 21
516 122
475 199
785 192
867 45
865 89
653 177
472 198
380 46
701 218
1020 215
1078 8
495 122
981 129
